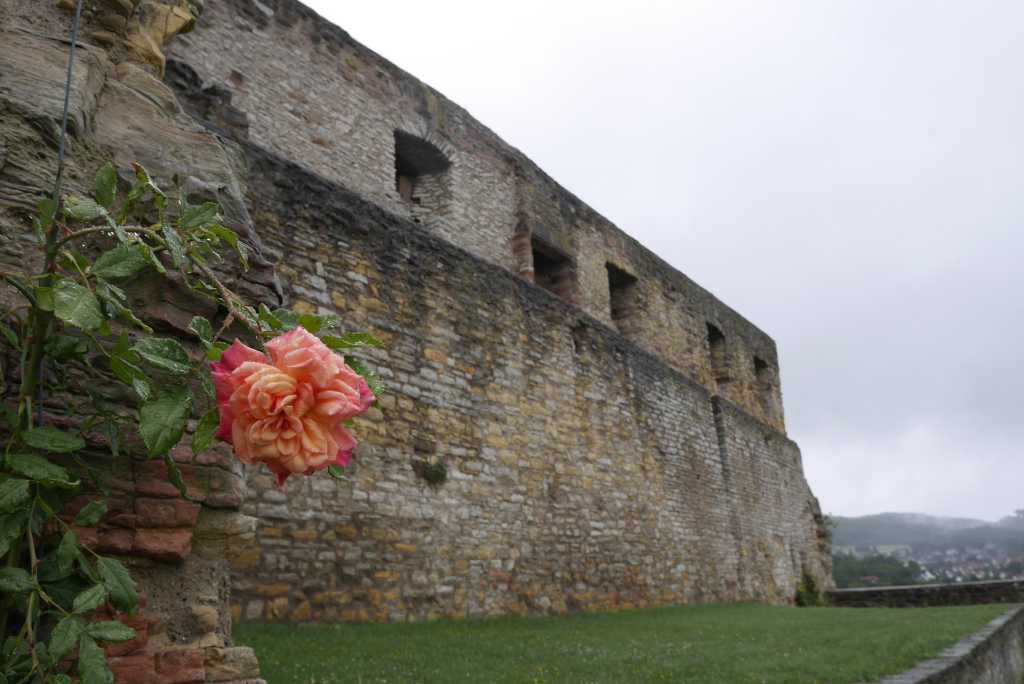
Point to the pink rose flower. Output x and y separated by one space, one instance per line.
288 411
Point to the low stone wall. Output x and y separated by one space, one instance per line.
994 655
915 596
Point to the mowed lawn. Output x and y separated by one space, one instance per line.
719 644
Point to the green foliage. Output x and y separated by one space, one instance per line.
808 594
117 378
874 570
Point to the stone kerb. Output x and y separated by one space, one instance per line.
993 655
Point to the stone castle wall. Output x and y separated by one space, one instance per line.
583 472
315 96
612 438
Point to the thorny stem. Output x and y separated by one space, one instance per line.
229 301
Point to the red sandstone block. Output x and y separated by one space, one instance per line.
166 512
115 540
169 545
180 667
137 669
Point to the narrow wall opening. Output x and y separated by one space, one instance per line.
623 300
421 173
553 270
764 385
719 356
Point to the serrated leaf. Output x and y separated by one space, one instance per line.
39 469
50 438
13 493
375 384
15 581
162 420
153 259
202 438
351 340
119 583
65 636
272 321
90 599
122 261
175 477
76 305
44 298
142 388
311 323
46 212
164 353
337 473
200 216
202 329
67 551
91 513
65 347
12 525
10 336
226 234
216 350
110 630
289 319
174 245
92 663
83 209
106 185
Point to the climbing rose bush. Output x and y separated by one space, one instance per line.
288 411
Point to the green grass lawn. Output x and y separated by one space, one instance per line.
719 644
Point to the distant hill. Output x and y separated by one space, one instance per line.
925 531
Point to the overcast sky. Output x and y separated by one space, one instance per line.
847 175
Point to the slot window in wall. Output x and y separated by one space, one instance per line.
553 270
763 379
719 356
421 171
623 300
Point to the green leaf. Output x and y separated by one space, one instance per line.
375 383
12 525
39 469
164 353
15 580
123 261
202 329
44 298
83 209
142 389
153 259
216 350
110 630
351 340
175 477
56 679
162 420
13 493
311 323
272 321
202 438
10 336
174 245
226 234
51 439
66 347
289 319
200 216
90 599
92 663
67 551
65 636
76 305
91 513
337 473
47 209
120 584
106 185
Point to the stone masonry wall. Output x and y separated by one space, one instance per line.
314 95
583 472
176 550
